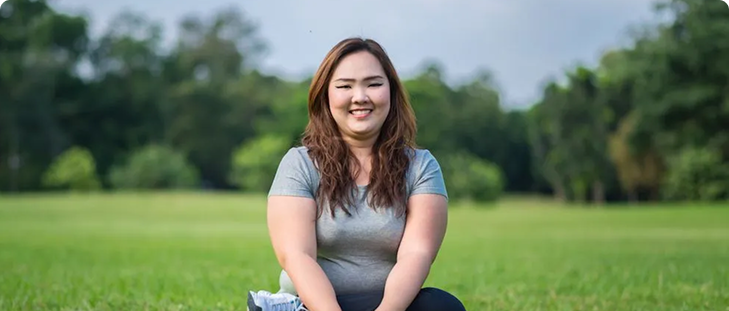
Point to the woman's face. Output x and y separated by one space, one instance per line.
359 96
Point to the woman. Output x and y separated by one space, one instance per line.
357 214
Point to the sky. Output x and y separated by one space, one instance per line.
521 42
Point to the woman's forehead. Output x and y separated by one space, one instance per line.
359 66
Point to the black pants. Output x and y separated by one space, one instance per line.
429 299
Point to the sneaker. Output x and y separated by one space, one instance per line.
266 301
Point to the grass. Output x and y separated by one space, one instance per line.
203 251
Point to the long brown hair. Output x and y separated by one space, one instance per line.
335 161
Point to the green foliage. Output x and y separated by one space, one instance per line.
681 76
697 174
155 167
288 113
74 169
255 162
642 105
468 177
204 98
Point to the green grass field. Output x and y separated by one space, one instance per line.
204 251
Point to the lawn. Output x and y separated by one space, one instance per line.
204 251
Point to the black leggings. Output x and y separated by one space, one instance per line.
429 299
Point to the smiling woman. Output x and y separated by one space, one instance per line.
357 214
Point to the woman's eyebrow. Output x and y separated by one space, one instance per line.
365 79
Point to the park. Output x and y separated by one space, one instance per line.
141 184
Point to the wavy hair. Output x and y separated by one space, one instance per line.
333 158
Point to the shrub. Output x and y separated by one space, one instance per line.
155 167
696 174
74 169
468 177
255 162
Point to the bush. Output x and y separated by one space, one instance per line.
255 162
155 167
74 169
468 177
696 174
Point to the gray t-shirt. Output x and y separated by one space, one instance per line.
357 252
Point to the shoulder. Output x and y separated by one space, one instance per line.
297 155
297 158
295 174
421 154
425 174
420 159
299 151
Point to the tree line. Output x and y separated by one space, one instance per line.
649 122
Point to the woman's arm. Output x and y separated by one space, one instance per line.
425 227
291 225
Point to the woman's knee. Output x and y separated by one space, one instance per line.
435 299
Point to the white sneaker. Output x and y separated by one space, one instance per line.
266 301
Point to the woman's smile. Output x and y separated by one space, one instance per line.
361 113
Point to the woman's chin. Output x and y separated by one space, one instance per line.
363 132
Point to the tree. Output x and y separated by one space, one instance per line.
37 79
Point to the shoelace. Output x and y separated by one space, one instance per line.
282 304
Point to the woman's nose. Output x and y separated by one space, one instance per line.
360 96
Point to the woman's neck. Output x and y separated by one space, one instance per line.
362 149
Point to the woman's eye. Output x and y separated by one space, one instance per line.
376 84
343 87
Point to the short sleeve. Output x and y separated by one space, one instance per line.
429 177
292 176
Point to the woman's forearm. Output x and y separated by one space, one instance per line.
311 283
404 282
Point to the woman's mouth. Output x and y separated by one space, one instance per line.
360 113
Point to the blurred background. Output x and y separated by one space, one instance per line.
581 101
138 140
